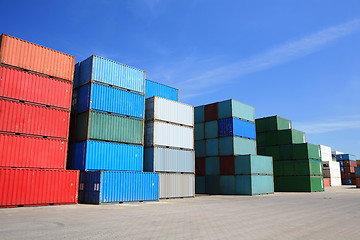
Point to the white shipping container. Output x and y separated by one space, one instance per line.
326 155
168 135
175 185
334 182
160 159
162 109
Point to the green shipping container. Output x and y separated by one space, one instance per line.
286 152
290 136
273 123
306 151
229 146
211 129
267 139
299 184
199 131
109 127
304 167
232 108
273 151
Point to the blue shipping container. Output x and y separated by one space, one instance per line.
120 186
342 169
345 157
348 181
96 155
341 163
160 90
101 98
237 127
100 69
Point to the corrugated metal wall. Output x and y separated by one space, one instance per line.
160 90
174 185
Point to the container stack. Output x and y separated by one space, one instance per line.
331 169
160 90
225 148
347 168
169 146
35 101
297 164
107 133
357 174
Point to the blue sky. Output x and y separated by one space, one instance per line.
296 59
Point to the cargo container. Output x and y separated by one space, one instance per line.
200 166
235 109
199 131
357 182
160 159
247 164
240 184
34 88
357 172
274 152
36 58
101 98
345 157
326 155
212 147
199 115
176 185
236 146
106 71
274 123
236 127
96 155
108 127
169 111
290 136
200 185
160 90
168 135
326 182
211 129
200 148
211 112
299 184
212 166
32 152
119 186
265 139
306 150
304 167
335 182
35 187
17 117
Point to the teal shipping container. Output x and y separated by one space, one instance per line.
212 166
199 131
106 71
160 90
200 148
235 109
200 185
212 147
211 129
253 164
236 146
199 114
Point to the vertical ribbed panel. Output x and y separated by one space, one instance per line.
32 152
30 56
232 108
96 155
173 185
30 119
236 127
160 159
107 71
170 135
236 146
19 186
160 90
169 111
34 88
109 127
120 186
111 100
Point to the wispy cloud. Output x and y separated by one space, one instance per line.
271 58
330 125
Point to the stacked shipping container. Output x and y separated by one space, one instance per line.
35 101
297 164
225 148
331 169
108 131
347 168
169 146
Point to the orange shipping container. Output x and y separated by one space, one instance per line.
33 57
326 182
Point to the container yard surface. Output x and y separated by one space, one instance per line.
276 216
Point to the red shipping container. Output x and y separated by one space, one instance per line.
35 88
227 165
26 55
353 164
211 112
358 182
345 175
326 182
32 152
25 118
34 187
349 169
200 167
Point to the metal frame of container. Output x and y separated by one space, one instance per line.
30 56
